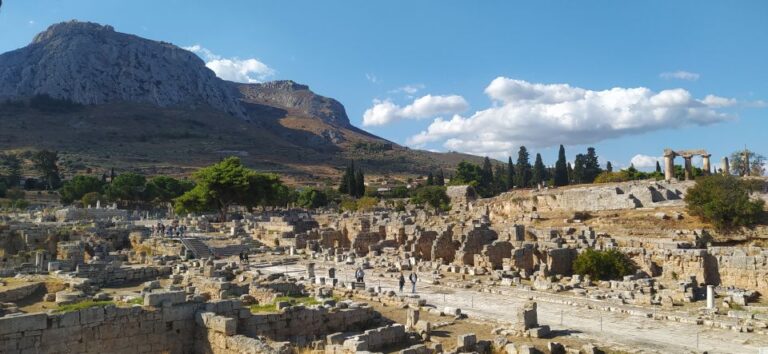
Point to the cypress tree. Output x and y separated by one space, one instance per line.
658 167
351 183
591 166
608 166
539 174
570 173
439 178
579 169
561 168
359 184
486 178
523 168
510 174
430 179
499 180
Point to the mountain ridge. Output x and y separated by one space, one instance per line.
144 86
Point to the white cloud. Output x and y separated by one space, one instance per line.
680 75
233 69
31 22
372 78
386 111
717 101
543 115
408 89
645 161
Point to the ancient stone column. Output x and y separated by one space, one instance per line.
705 164
310 270
746 162
669 165
726 167
710 297
412 318
688 168
39 260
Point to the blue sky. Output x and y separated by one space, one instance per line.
635 76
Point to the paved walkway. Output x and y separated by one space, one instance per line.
621 330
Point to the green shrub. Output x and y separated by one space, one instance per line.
603 265
724 201
433 196
82 305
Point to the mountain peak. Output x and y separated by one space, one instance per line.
72 28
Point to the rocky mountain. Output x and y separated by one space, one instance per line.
147 104
92 64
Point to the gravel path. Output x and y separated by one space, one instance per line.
632 333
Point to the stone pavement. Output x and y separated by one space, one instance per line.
632 333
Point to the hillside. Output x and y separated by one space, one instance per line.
151 106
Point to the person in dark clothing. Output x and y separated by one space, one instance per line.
413 278
402 282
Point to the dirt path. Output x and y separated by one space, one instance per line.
620 330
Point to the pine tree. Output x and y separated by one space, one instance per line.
523 168
579 169
510 174
561 168
539 174
359 184
439 178
591 166
430 179
608 166
658 167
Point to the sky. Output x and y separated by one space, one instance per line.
482 77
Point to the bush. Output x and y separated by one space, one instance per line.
724 201
311 198
433 196
603 265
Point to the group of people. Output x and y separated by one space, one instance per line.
412 277
168 230
243 257
360 277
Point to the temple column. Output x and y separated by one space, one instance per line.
705 164
725 166
669 166
688 168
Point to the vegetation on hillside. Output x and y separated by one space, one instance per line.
724 201
603 265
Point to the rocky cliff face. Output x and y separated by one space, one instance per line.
297 97
92 64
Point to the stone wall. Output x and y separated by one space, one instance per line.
617 196
19 292
299 323
104 274
107 329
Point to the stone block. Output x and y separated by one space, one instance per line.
539 332
466 341
22 323
158 299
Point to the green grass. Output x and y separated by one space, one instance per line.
295 300
136 301
82 305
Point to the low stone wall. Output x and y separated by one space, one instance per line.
107 275
300 324
20 292
109 329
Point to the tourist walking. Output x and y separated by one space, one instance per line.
413 278
402 282
359 275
